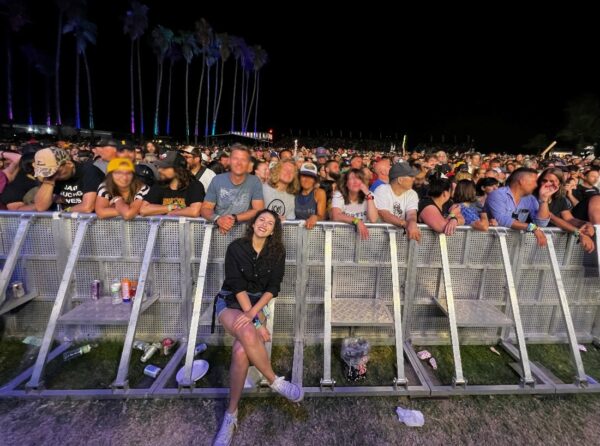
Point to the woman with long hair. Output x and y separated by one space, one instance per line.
466 198
121 193
254 268
560 209
437 210
353 202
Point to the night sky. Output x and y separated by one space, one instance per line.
498 75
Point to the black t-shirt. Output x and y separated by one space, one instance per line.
15 191
86 179
427 201
165 196
560 204
583 193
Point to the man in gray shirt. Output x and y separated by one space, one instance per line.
234 196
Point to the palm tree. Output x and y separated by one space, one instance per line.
65 7
16 17
84 32
161 42
135 23
174 54
31 56
189 49
224 45
211 59
236 43
204 36
260 59
247 66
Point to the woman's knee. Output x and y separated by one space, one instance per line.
247 334
239 355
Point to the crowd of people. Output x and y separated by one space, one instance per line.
229 185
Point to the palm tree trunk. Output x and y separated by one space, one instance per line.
77 116
197 118
233 102
187 114
89 88
251 103
57 71
207 105
214 111
9 100
158 87
140 90
132 113
48 113
256 104
169 99
29 106
244 96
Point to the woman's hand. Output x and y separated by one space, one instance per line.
586 243
263 333
242 320
311 221
362 230
451 226
587 229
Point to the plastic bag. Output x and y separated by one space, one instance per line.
355 354
413 418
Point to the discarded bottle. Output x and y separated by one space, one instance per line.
141 345
75 353
150 351
115 291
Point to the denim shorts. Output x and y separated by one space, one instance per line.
221 305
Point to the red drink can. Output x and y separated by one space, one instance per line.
125 292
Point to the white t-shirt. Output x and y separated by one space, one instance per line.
398 205
358 210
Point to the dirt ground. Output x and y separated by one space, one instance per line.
317 421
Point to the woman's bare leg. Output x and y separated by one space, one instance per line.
237 375
253 346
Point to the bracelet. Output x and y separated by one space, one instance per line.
355 221
235 219
542 201
370 196
576 234
51 183
531 227
256 322
170 207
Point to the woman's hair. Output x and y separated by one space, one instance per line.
343 185
294 186
464 192
274 244
216 167
558 173
437 186
255 163
485 182
113 190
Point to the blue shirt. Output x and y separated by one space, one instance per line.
376 184
500 205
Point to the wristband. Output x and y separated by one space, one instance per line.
256 322
531 227
370 196
355 221
215 218
576 234
170 207
235 219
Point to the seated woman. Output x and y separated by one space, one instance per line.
121 193
254 268
311 201
483 188
465 196
561 209
437 210
353 202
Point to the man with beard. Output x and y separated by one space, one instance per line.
329 185
193 156
177 193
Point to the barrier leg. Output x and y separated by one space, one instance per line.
35 382
527 379
458 379
193 333
580 378
326 380
121 380
400 379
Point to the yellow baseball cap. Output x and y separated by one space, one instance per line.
120 164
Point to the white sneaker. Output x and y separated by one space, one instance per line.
225 434
290 390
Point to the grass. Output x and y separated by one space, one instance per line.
489 420
480 365
557 359
15 357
